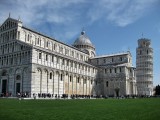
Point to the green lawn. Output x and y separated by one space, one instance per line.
97 109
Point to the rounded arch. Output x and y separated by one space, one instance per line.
67 73
57 72
53 71
39 69
25 69
83 77
4 73
46 70
51 74
88 78
18 77
86 51
62 72
18 71
75 75
10 71
92 54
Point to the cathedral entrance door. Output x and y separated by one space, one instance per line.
4 86
18 86
117 91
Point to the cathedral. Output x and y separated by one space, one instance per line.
34 64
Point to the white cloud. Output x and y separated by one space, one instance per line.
65 18
121 12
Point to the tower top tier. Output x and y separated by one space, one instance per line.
144 42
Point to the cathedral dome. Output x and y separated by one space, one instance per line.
84 44
83 40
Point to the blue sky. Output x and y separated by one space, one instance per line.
112 25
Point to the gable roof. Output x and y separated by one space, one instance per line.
10 19
112 55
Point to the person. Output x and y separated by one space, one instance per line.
18 94
34 96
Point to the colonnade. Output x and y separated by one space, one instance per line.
58 82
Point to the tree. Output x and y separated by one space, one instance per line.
157 90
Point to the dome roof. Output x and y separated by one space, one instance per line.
83 40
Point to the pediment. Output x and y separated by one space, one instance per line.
8 24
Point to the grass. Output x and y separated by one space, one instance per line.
98 109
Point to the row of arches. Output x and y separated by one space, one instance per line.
8 35
51 60
49 44
14 81
61 82
15 59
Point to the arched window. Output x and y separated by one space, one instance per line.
18 77
112 59
40 55
52 58
28 37
130 70
120 70
63 61
120 58
105 70
67 62
61 77
38 41
50 75
61 49
97 61
54 46
81 57
91 82
110 70
78 80
4 73
18 35
107 84
71 64
70 78
47 44
72 53
140 52
104 60
77 55
115 70
88 69
46 57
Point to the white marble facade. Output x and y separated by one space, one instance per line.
144 65
116 75
33 63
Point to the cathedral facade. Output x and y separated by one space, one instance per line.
35 64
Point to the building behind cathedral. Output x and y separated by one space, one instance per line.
33 63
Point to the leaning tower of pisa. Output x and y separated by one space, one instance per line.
144 67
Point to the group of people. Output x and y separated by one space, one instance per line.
63 96
66 96
23 94
6 94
